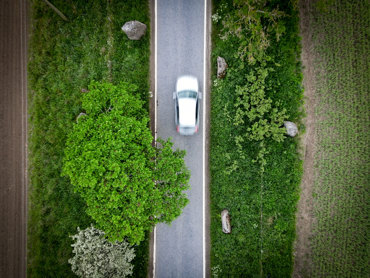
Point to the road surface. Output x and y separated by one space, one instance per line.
180 247
13 129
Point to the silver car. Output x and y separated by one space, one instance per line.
187 105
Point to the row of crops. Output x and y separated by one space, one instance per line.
340 242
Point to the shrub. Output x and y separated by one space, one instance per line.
252 22
96 257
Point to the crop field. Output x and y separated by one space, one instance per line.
64 57
340 242
256 180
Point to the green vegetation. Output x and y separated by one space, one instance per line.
64 58
128 184
96 257
340 242
255 169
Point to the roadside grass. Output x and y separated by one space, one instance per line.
340 242
262 206
64 57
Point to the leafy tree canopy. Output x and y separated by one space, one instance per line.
128 184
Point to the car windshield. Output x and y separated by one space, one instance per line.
187 94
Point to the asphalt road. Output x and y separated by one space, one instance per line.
13 129
180 48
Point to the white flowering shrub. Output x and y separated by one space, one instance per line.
95 256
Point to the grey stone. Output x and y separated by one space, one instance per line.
225 218
221 67
134 29
291 128
83 90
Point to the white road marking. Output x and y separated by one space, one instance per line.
204 133
155 117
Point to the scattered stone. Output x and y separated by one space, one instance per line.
225 218
270 220
134 29
80 115
221 67
291 128
83 90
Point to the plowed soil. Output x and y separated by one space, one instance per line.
13 138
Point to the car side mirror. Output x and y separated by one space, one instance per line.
174 95
199 95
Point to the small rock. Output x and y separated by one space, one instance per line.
225 218
221 67
83 90
134 29
291 128
80 115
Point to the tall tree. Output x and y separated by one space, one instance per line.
128 184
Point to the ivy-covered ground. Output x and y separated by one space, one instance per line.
255 173
64 57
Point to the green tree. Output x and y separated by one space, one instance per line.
128 184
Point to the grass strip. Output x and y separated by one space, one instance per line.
262 207
64 57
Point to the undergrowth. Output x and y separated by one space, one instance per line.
255 169
64 57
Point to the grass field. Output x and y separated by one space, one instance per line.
340 242
64 57
262 205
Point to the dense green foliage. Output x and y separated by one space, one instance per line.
63 58
340 241
128 184
255 169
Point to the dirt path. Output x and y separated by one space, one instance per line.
13 127
302 252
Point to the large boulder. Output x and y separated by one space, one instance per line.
134 29
225 218
291 128
221 67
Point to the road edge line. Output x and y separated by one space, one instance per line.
155 118
204 131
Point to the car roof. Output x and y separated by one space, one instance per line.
187 111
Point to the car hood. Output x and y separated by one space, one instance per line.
187 83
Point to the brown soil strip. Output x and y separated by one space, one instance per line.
13 132
302 252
